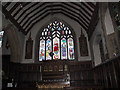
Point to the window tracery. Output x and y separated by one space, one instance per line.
57 39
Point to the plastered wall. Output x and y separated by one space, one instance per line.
18 38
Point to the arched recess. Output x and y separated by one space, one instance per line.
14 43
103 9
96 49
84 44
39 33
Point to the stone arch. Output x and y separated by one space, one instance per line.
14 43
96 49
40 30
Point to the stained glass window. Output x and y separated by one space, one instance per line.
48 49
1 38
42 50
56 42
70 48
63 49
56 48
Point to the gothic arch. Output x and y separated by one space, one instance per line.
39 33
14 43
83 43
96 49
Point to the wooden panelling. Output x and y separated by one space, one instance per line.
108 74
30 73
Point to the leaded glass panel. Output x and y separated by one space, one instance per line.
56 42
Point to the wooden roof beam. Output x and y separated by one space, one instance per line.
53 10
8 15
46 14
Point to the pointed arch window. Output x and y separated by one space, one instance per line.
57 39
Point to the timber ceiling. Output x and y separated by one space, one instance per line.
24 15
